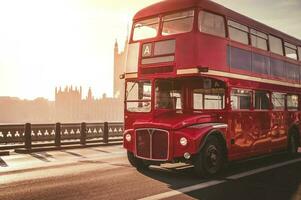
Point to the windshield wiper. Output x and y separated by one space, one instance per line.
127 93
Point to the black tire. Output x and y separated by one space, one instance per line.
293 144
136 162
210 160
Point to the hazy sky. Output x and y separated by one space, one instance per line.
48 43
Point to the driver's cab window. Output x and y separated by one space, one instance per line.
168 95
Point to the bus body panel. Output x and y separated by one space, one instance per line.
200 56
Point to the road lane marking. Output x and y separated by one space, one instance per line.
263 169
183 190
216 182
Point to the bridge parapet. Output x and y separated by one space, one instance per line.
58 134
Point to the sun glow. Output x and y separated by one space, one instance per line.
49 43
45 44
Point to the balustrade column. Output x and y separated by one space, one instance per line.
27 131
106 133
83 133
58 134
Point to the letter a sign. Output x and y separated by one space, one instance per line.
147 50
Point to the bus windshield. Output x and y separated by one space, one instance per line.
138 96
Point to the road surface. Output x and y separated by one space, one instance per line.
104 173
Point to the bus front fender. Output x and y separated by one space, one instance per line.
197 136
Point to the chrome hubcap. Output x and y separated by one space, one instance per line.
212 156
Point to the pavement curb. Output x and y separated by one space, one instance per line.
55 148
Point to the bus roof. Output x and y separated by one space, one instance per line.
166 6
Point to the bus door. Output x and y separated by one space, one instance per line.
250 122
240 123
261 122
278 121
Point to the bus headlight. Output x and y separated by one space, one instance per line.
128 137
183 141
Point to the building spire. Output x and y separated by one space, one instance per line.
127 32
127 37
90 97
116 46
80 92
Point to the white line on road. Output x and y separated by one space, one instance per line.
183 190
256 171
216 182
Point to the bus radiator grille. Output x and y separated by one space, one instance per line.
152 144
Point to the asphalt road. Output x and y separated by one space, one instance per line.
104 173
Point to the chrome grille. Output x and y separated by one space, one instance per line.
152 144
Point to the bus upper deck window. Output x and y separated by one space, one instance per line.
146 29
276 45
259 39
290 50
238 32
181 22
212 24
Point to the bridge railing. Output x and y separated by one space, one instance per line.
28 135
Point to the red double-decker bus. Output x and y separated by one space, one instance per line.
206 85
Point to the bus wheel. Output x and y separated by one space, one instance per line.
210 160
293 144
136 162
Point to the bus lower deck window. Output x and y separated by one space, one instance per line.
241 99
278 100
261 100
292 102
